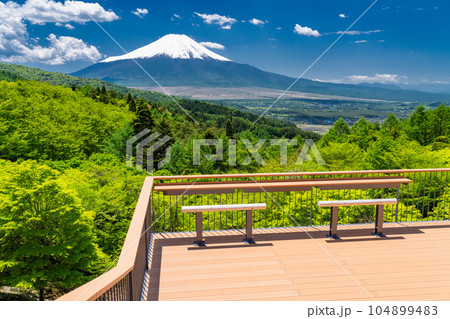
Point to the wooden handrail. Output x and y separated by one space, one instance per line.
282 183
126 262
390 171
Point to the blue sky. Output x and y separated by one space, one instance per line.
395 42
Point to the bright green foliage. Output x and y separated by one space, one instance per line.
116 145
45 235
108 188
40 121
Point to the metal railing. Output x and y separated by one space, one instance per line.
125 281
427 198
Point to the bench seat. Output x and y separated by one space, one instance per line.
357 202
198 210
222 208
335 204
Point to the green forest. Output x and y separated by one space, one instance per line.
67 195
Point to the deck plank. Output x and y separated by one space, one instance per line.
412 263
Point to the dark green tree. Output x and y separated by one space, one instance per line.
419 126
45 236
391 125
229 129
144 118
132 106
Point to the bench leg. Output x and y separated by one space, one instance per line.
249 228
333 223
199 229
379 221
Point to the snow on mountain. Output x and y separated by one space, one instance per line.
175 46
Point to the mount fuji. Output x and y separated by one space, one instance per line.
176 60
174 46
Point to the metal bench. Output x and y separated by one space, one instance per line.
360 202
249 208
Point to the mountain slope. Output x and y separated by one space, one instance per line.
177 60
199 110
14 72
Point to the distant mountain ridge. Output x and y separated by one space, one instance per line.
14 72
177 60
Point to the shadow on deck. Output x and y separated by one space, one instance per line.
411 263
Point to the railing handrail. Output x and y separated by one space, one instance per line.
126 262
389 171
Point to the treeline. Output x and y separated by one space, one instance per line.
21 72
420 141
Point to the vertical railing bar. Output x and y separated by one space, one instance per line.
429 196
402 196
413 196
356 209
418 193
434 199
408 175
396 206
311 207
445 196
278 208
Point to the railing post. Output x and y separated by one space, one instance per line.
248 227
396 206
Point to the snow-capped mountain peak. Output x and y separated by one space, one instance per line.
175 46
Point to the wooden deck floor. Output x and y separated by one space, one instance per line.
411 263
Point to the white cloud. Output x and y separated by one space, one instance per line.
17 46
440 82
67 25
223 21
306 31
255 21
360 41
377 78
358 32
61 49
278 28
175 16
45 11
140 12
343 16
213 45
